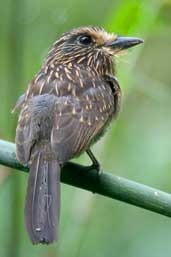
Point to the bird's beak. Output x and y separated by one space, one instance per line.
122 43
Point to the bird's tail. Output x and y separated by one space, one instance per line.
42 204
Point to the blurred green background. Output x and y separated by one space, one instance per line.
137 146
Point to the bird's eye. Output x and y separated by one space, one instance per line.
85 40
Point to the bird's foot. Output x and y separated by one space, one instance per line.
95 164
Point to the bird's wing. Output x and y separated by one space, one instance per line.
35 124
39 96
24 137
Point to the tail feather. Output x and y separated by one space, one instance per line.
43 198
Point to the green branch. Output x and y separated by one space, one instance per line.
104 184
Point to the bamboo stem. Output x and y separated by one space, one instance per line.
104 183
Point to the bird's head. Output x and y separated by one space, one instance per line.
90 46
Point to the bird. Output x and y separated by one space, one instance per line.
66 108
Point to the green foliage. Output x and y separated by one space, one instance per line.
137 146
